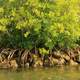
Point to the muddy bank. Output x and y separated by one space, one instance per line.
21 58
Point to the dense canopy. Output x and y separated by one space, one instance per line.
39 23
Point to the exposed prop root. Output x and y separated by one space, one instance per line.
14 58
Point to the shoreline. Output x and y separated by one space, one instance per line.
23 58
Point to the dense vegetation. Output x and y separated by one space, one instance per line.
42 24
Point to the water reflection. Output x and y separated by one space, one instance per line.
56 73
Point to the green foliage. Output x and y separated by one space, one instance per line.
43 51
39 23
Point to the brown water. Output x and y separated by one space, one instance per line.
56 73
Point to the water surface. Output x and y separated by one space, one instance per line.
56 73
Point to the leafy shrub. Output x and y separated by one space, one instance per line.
39 23
43 51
